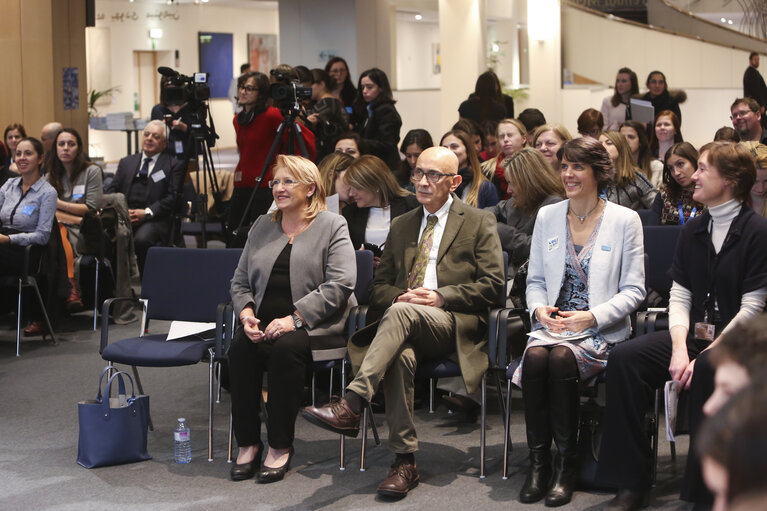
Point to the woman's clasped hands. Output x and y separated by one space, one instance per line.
564 321
273 330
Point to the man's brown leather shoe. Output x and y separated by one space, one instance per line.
402 478
335 416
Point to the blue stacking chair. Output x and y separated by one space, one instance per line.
181 284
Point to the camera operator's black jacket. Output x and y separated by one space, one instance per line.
185 137
380 131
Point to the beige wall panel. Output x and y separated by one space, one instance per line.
10 40
37 63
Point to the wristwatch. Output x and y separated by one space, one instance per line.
297 321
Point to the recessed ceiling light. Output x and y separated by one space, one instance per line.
418 17
723 20
729 22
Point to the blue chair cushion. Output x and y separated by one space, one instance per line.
324 365
437 368
513 367
155 351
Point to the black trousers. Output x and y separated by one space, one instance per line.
285 360
149 234
237 204
12 259
635 369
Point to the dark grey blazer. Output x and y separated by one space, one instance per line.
322 271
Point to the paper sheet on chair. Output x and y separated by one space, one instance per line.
670 400
181 329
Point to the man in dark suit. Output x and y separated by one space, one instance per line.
436 293
753 83
150 181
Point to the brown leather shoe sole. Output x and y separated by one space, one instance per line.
317 421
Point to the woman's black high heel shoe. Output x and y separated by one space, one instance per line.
272 475
247 470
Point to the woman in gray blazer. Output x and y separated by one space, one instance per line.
585 276
292 291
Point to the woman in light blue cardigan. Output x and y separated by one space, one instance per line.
585 277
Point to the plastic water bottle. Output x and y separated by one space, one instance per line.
182 444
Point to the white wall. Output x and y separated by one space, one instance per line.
178 34
596 48
310 32
414 54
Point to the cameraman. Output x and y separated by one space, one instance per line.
256 126
178 119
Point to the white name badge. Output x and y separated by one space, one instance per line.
78 191
158 176
553 243
179 147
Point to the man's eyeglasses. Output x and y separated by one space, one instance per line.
432 176
742 113
287 183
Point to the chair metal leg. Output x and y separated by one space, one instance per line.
506 431
96 298
218 391
314 388
431 395
342 441
229 459
364 437
141 392
483 425
211 384
330 388
18 321
45 313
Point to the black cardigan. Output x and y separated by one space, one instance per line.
380 132
740 267
357 218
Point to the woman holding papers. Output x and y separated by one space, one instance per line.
292 291
719 278
585 276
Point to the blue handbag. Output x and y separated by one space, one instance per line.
113 430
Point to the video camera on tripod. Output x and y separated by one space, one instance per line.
287 95
193 92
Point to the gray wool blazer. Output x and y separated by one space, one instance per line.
322 271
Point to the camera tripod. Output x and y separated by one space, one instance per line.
240 234
203 139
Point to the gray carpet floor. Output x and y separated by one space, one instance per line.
39 392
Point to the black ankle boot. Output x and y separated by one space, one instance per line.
537 423
564 399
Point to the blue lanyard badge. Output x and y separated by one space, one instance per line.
28 209
681 213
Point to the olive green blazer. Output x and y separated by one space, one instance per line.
469 275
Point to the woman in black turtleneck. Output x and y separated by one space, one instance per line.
719 280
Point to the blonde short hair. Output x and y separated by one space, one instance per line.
306 173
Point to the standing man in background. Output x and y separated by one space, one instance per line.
753 84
